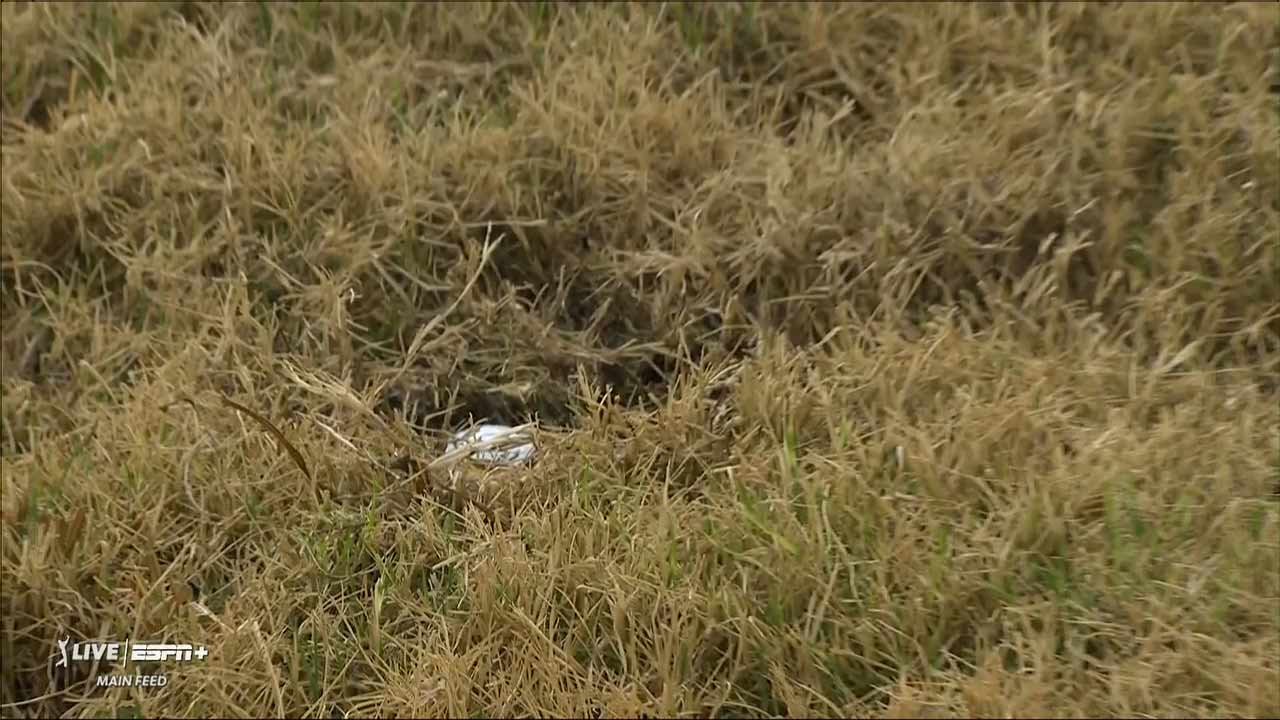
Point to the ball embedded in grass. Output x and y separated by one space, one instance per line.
494 445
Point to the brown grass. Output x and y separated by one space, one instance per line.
888 360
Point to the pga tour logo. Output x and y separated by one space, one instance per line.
141 652
138 652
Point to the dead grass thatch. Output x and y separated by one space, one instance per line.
887 359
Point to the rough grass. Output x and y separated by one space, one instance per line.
888 360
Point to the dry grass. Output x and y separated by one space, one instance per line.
888 359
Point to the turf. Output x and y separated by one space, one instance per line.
885 359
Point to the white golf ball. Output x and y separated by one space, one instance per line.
514 447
